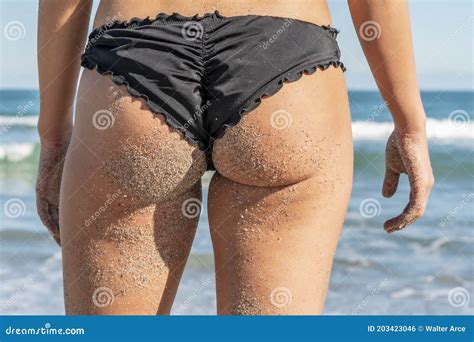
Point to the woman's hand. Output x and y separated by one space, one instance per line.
48 185
62 33
408 153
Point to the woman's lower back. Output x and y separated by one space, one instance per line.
315 11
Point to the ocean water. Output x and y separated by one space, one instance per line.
427 269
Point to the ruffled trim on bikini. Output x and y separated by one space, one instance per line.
120 80
164 18
176 17
332 31
161 18
274 87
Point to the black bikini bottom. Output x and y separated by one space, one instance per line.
204 73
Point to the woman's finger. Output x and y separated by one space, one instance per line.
390 183
413 211
46 214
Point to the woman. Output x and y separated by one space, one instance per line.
166 97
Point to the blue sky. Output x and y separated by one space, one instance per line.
442 31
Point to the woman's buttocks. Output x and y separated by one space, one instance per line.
315 11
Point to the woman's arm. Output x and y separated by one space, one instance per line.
62 30
384 32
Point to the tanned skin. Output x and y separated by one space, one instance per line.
275 221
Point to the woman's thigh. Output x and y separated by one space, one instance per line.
125 229
279 197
